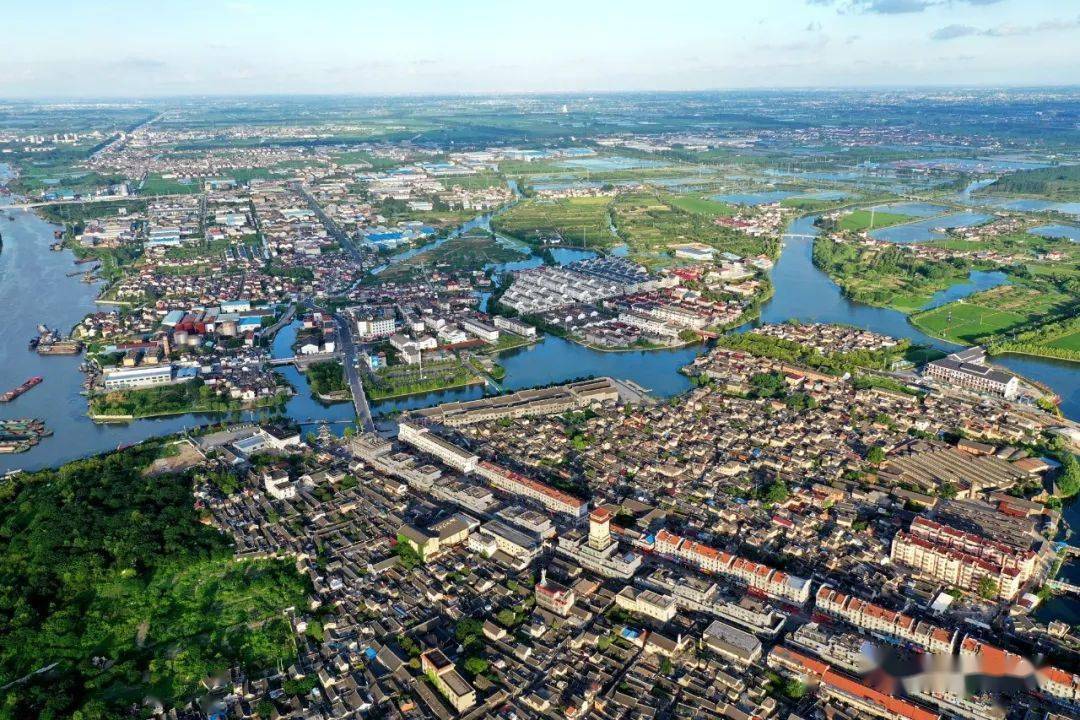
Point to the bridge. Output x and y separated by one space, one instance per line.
351 353
302 361
1062 586
800 236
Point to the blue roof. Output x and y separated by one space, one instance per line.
376 237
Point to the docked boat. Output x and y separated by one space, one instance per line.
19 435
10 395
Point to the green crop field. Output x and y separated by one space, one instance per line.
860 220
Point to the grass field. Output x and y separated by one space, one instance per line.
577 220
966 322
1067 342
860 220
700 205
157 185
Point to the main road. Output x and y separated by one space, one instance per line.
351 361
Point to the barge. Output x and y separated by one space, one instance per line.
16 392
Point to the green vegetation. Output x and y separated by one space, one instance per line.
792 352
861 220
399 380
186 397
1054 183
327 378
73 213
701 205
1037 311
157 185
649 224
574 221
100 560
464 253
888 276
987 588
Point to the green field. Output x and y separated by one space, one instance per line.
1067 342
965 322
578 221
650 224
702 206
860 220
157 185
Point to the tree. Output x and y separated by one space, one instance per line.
1069 480
776 492
987 588
476 666
876 455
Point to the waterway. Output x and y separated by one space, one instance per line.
27 266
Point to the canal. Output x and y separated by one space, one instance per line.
34 288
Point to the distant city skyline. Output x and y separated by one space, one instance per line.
131 49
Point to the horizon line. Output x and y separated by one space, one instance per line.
545 93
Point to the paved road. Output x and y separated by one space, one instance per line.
350 357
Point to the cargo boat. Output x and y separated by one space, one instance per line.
16 392
21 434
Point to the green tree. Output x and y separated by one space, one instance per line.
876 455
987 588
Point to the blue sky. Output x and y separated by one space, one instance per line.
120 48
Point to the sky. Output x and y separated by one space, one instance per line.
116 48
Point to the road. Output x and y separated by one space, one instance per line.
331 227
351 358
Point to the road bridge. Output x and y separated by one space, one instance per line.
302 361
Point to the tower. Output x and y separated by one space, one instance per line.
599 529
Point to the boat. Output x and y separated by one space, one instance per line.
19 435
16 392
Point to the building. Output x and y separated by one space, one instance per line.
732 643
599 552
130 379
526 403
448 680
884 623
649 603
963 559
516 484
482 330
700 595
553 597
278 484
378 323
968 369
426 441
515 326
843 689
757 576
505 538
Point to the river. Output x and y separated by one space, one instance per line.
27 265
